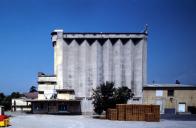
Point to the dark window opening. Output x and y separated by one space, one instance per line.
52 83
62 107
136 99
170 93
41 92
39 106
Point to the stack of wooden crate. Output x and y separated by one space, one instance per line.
134 112
111 114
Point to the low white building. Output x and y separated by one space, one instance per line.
22 104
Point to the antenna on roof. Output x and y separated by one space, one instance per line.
146 29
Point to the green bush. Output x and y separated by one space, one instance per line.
107 96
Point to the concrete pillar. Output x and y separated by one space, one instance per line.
88 85
72 65
144 61
117 63
83 60
59 59
95 63
138 68
128 63
107 61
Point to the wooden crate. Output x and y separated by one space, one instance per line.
141 109
155 108
129 109
135 109
149 117
112 114
147 109
156 117
152 117
135 117
128 116
141 117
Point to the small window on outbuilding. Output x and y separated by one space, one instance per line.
170 92
159 92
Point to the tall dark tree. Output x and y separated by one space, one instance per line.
103 97
7 102
15 95
123 94
33 89
2 96
107 96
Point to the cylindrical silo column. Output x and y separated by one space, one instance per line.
138 68
107 61
117 63
128 63
59 45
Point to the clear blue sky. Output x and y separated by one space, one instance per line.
25 41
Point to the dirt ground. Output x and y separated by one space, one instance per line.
19 120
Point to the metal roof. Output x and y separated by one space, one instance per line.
50 100
169 86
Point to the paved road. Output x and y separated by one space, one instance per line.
64 121
184 117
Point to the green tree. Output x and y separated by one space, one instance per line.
103 97
123 94
7 102
33 89
2 96
107 96
16 95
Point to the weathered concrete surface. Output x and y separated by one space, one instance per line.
84 61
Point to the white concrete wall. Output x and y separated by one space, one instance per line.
46 79
19 101
41 97
60 59
65 96
43 87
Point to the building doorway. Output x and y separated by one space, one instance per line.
160 102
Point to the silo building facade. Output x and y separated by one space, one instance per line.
82 61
